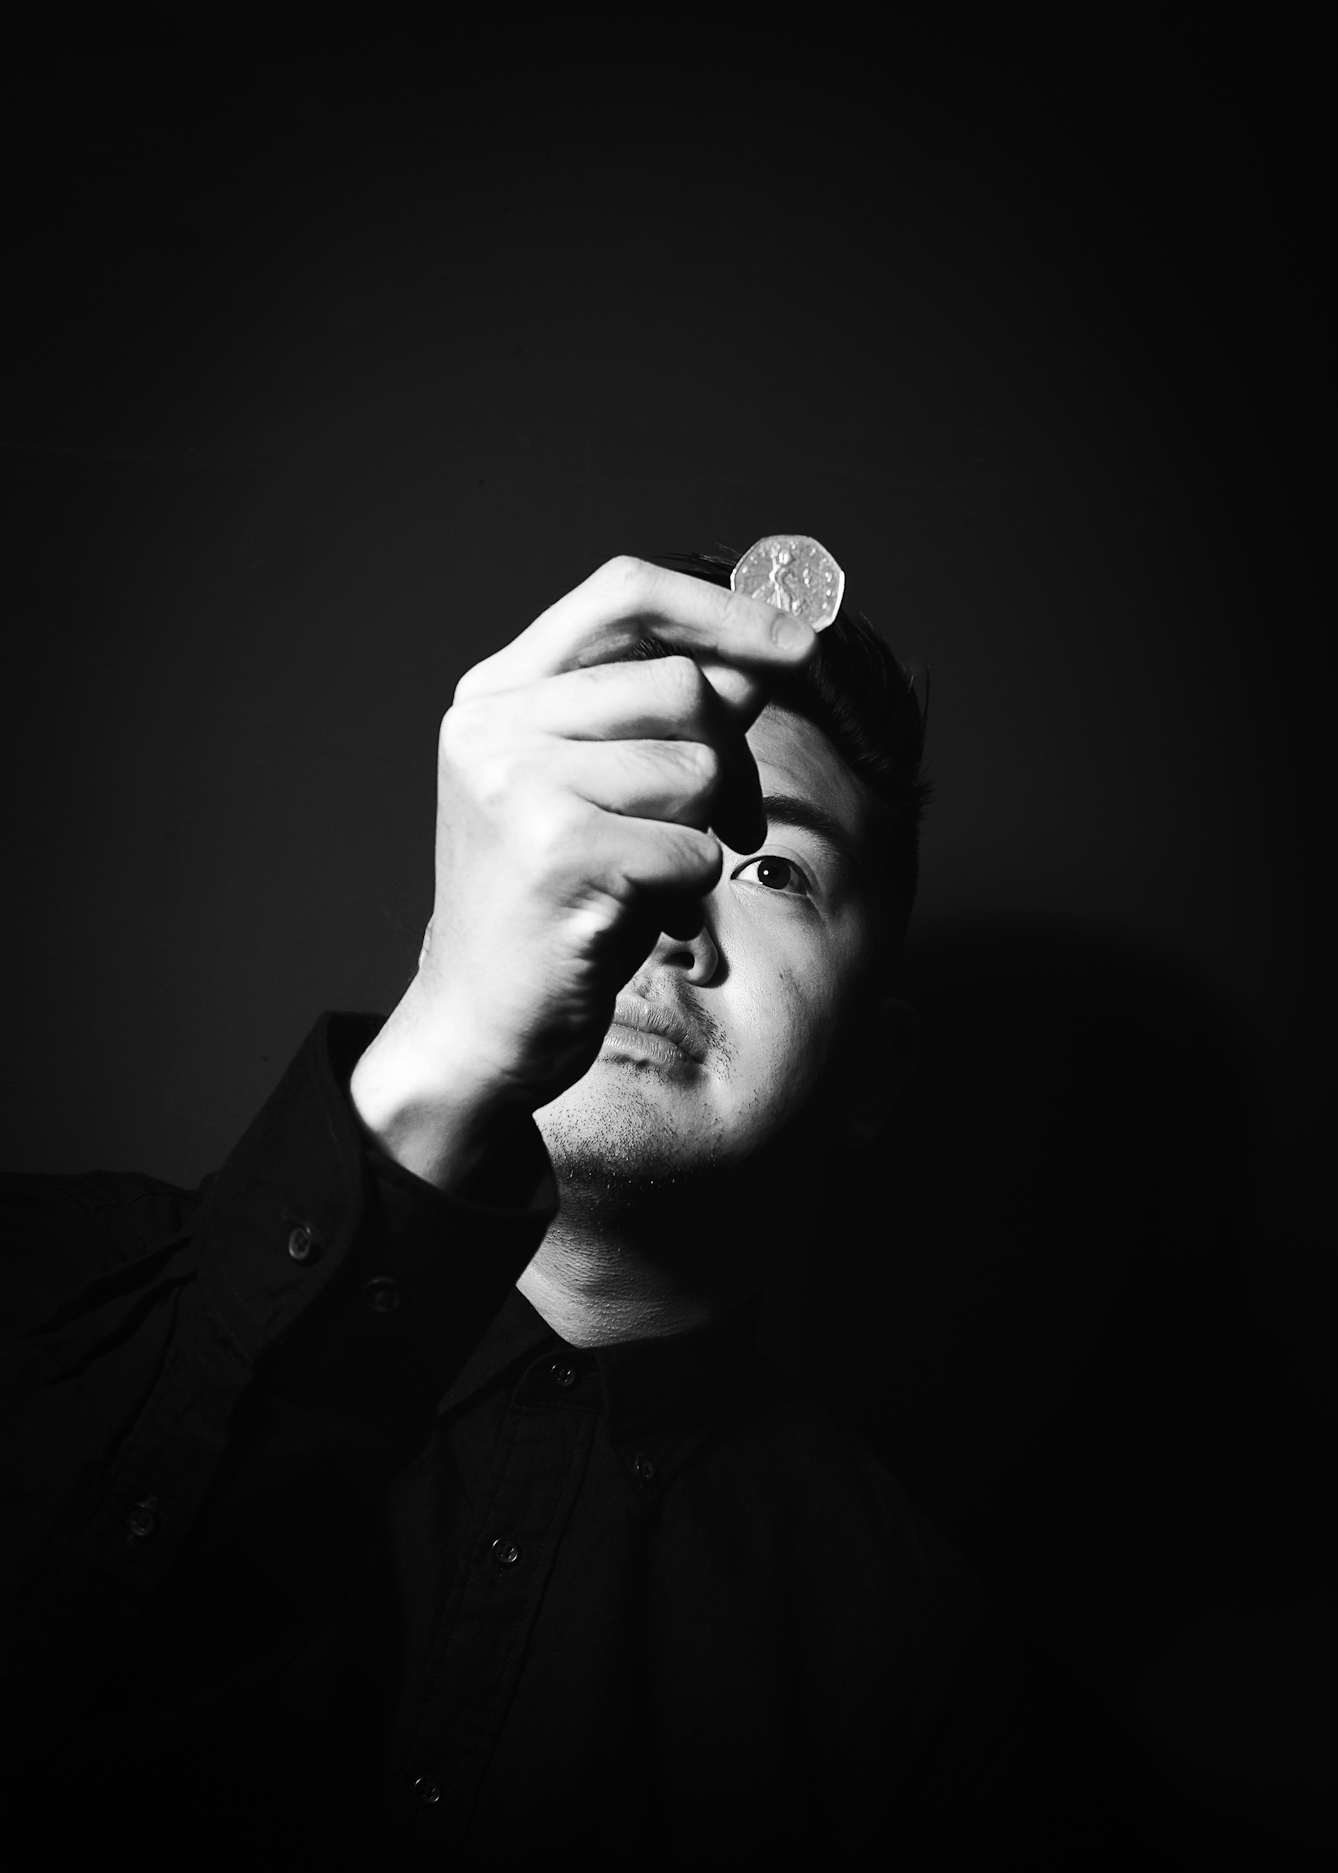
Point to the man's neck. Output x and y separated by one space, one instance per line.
605 1274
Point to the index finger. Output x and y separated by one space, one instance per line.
603 619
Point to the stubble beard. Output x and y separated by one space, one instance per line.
635 1172
616 1144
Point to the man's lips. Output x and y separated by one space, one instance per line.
633 1011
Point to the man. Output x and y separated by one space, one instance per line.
413 1493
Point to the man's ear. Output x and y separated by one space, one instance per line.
886 1061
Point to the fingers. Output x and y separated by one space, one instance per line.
659 874
667 700
675 781
653 861
602 620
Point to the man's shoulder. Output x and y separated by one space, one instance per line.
809 1448
58 1232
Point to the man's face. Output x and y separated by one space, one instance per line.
719 1043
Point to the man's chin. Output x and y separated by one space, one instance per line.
621 1127
630 1151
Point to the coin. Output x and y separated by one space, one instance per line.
793 573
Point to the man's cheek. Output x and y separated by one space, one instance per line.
790 1045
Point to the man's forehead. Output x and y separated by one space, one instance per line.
794 757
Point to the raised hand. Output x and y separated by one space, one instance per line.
576 792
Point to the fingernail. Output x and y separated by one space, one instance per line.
789 633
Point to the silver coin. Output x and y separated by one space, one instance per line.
793 573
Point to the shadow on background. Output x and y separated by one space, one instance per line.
1045 1325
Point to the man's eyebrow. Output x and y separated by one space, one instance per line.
792 809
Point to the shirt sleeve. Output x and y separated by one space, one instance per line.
285 1331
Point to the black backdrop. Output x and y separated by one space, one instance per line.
334 353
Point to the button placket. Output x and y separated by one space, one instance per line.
511 1550
382 1294
142 1520
303 1246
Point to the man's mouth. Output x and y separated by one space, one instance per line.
653 1031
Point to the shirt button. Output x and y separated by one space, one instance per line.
428 1790
506 1551
642 1468
142 1520
302 1245
383 1295
564 1376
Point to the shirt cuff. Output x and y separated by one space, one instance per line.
313 1240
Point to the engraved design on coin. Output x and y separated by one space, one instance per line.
793 573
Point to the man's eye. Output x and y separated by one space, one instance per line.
776 874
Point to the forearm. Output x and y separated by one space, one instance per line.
286 1346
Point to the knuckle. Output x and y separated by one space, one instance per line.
699 859
475 760
742 616
460 731
629 576
475 681
450 734
549 825
702 761
544 831
493 780
680 682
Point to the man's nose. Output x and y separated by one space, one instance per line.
697 956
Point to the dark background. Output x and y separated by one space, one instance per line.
335 352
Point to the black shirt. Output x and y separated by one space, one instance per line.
317 1536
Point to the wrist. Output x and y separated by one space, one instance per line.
426 1108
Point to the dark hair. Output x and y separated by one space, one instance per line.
864 701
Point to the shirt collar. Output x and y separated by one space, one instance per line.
516 1337
662 1397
